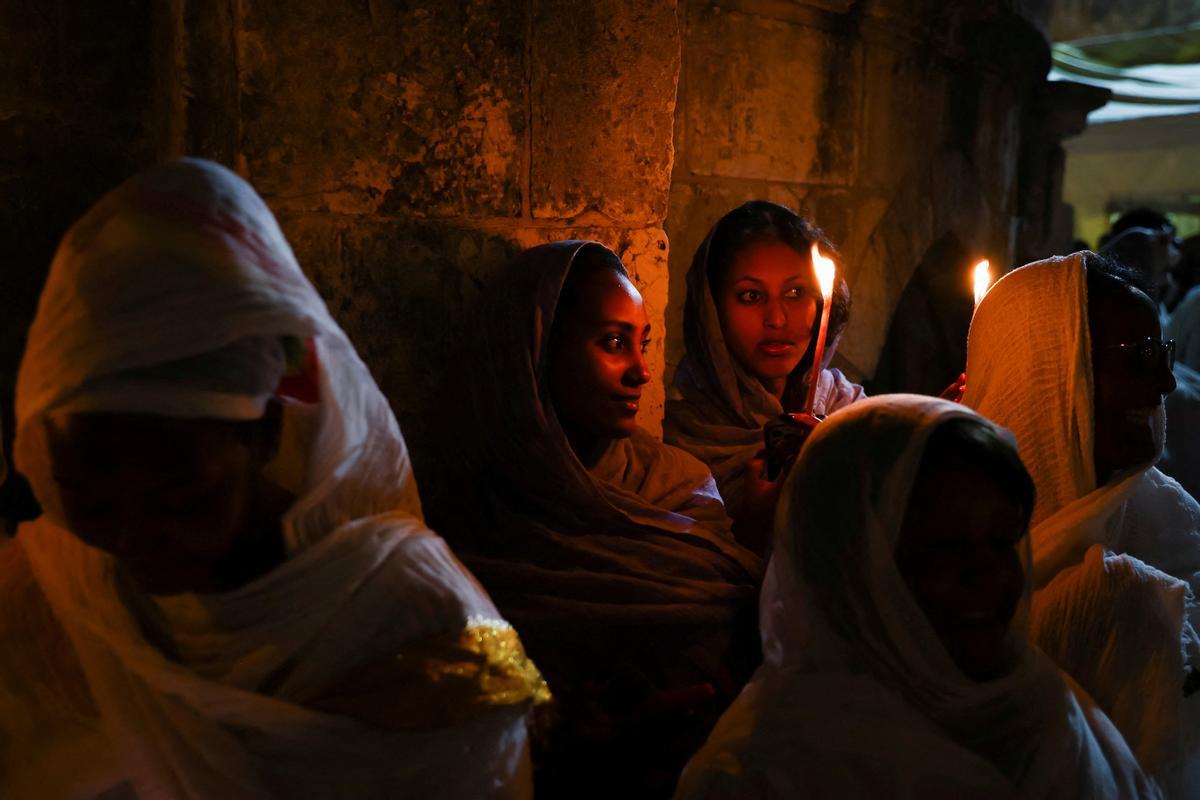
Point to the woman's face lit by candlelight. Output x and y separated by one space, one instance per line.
597 359
958 556
767 304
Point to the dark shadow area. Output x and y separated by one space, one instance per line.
926 346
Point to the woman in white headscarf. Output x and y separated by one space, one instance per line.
230 594
1067 354
893 620
750 320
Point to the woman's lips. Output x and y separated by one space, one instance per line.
629 405
776 348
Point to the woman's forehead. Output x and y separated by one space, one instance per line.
771 260
609 296
1117 312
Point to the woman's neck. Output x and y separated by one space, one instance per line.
587 447
776 386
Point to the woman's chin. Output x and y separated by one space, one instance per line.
769 371
623 429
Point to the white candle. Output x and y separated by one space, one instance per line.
825 273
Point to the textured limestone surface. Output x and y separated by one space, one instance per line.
604 77
889 122
412 147
415 109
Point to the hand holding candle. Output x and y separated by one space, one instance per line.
983 280
825 274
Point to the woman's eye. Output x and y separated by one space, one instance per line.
612 344
645 346
749 296
795 293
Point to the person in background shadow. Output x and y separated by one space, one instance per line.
1184 326
610 552
1148 254
1067 353
232 592
1153 255
750 324
894 617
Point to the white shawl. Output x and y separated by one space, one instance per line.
1029 368
177 262
857 696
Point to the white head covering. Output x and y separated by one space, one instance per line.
186 260
171 297
839 517
1029 368
838 622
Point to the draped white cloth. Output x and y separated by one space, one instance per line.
857 696
181 261
1029 369
1184 328
1181 454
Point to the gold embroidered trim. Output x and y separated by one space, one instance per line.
440 681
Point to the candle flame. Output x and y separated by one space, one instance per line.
825 271
983 280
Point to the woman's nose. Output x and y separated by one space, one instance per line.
1166 380
638 373
776 315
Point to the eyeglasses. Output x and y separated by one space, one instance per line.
1150 352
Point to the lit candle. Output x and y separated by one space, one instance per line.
825 272
983 279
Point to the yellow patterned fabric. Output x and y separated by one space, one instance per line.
440 681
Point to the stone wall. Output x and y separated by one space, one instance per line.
408 148
892 123
411 148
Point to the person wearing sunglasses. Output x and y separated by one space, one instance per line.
1068 354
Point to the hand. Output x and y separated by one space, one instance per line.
783 437
755 520
955 391
759 493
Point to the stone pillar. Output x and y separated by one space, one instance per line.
1055 113
411 149
892 123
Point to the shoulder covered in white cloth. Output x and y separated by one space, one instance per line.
201 696
849 737
367 591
